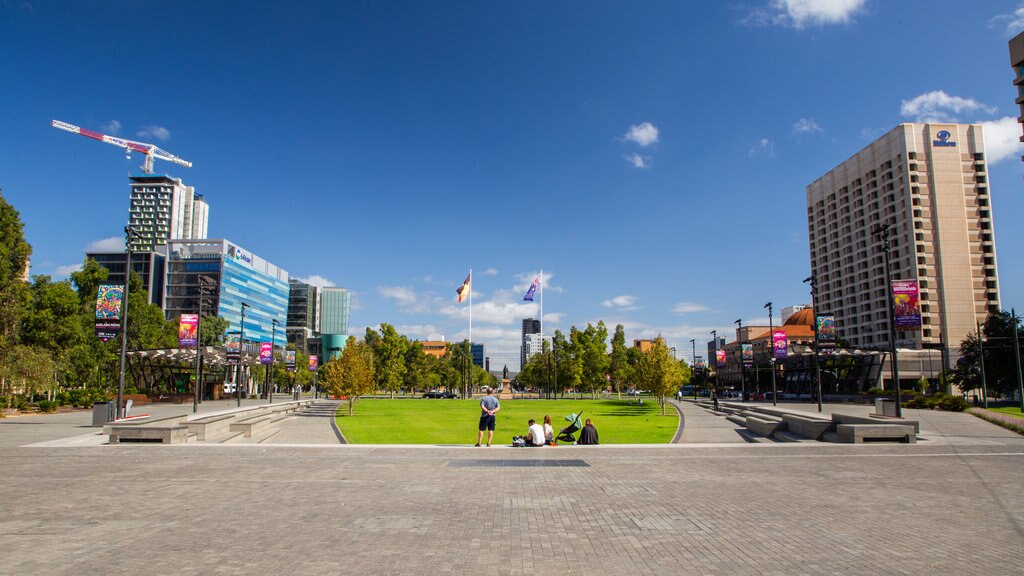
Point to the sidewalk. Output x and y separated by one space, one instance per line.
702 427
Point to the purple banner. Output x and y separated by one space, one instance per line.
720 358
780 344
188 331
313 363
906 304
266 353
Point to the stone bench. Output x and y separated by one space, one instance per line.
211 426
808 426
858 433
849 419
174 434
737 419
765 425
252 426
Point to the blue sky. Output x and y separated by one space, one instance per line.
650 157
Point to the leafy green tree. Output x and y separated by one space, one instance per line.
147 327
416 366
14 292
87 283
1000 367
659 372
26 370
352 374
53 322
213 330
567 370
618 360
389 354
594 357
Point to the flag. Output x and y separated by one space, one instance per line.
463 290
532 290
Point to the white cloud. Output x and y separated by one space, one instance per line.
112 244
156 132
1002 139
623 302
638 161
490 272
317 280
764 147
806 126
411 302
554 317
418 331
803 13
66 270
937 106
643 134
689 308
1013 21
112 127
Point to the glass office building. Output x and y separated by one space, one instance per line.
334 309
235 276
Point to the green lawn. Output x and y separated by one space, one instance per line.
1009 411
435 421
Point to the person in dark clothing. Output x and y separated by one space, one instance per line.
589 434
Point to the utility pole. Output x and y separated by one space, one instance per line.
882 231
981 360
1016 357
693 344
814 307
130 234
241 354
270 367
743 365
771 356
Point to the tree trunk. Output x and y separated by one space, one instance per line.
663 405
351 401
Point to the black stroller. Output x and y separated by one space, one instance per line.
575 425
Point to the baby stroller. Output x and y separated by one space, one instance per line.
575 425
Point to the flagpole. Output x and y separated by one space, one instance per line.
471 309
542 307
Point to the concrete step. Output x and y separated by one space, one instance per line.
830 437
226 438
785 436
261 438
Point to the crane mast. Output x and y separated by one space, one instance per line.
150 151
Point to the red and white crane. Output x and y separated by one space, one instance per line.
151 151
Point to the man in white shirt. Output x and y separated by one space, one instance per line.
535 434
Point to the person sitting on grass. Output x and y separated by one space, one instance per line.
534 434
589 434
549 431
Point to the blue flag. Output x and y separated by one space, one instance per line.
532 290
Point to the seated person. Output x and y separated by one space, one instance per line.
549 431
535 434
589 434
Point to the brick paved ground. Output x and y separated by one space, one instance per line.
952 507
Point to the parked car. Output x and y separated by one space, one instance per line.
439 394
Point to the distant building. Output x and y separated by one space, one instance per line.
533 344
478 355
712 346
1017 61
303 316
435 348
236 276
149 266
790 310
530 326
163 209
334 309
643 344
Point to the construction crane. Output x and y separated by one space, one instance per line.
151 151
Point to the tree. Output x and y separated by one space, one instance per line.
26 370
14 253
389 354
416 366
87 282
1000 367
213 329
594 357
618 360
659 372
351 374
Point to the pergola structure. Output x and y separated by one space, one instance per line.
170 369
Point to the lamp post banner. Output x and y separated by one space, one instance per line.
826 330
289 360
109 298
780 344
313 361
266 353
234 349
906 302
720 358
747 353
698 363
188 327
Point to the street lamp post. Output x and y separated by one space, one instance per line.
1016 357
199 342
981 361
714 340
130 234
771 355
693 344
882 231
814 307
270 367
241 353
743 365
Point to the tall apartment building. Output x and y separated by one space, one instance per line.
1017 61
929 183
235 276
303 315
334 308
163 209
530 326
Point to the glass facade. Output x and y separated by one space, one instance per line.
266 296
334 307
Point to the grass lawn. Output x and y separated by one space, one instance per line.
435 421
1008 410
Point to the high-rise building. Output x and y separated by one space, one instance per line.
1017 61
303 315
929 184
234 276
530 326
532 344
334 309
478 354
163 209
150 267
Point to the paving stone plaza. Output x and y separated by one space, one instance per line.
712 504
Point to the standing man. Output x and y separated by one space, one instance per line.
488 407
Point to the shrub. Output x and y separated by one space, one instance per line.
47 406
953 404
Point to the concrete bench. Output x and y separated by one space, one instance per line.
808 426
849 419
858 433
737 419
765 426
211 426
149 434
252 426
